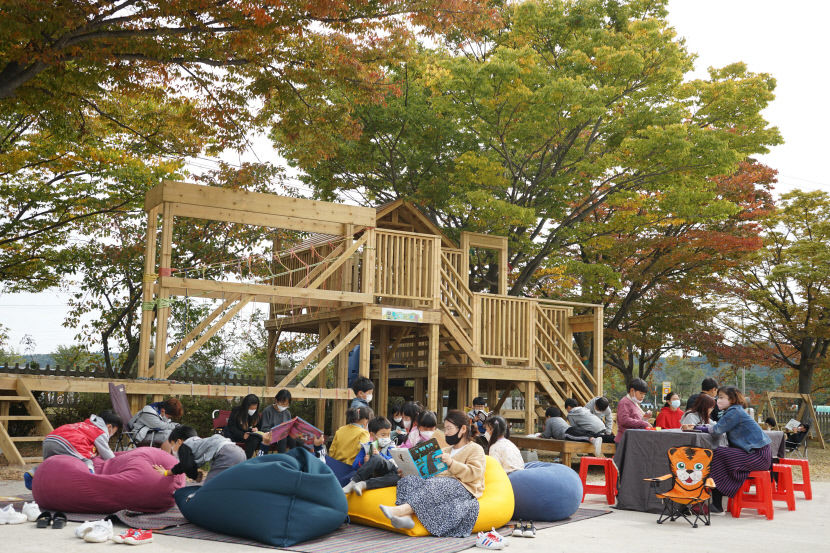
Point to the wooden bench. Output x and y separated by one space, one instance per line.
565 448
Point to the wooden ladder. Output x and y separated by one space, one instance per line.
8 443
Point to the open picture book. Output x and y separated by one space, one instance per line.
792 425
295 427
423 460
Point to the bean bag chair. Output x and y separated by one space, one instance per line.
341 470
128 481
495 506
278 500
545 492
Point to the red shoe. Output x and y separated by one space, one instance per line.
120 538
140 537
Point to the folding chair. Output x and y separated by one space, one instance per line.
796 443
121 406
220 419
690 495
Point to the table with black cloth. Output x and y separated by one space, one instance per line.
642 454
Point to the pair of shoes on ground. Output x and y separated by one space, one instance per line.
525 530
100 531
46 518
492 540
356 487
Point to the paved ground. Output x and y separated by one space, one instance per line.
805 530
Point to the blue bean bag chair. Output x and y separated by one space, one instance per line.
341 470
545 492
278 500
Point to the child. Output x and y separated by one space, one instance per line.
398 430
348 438
82 439
276 414
375 468
479 413
193 452
424 430
242 425
500 448
362 388
410 414
154 421
557 428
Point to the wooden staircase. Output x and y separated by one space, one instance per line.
8 443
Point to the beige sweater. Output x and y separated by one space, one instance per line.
467 467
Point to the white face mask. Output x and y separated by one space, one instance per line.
369 398
675 403
398 419
384 442
407 424
634 399
251 412
487 436
281 408
427 434
723 403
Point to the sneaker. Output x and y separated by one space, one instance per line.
597 446
495 534
485 541
81 530
100 532
124 535
518 530
529 530
9 516
31 510
139 537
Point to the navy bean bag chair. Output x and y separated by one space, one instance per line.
278 500
341 470
128 481
545 492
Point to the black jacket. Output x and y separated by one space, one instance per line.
236 431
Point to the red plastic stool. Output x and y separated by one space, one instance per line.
782 487
761 500
804 485
609 488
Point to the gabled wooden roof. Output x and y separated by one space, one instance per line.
403 215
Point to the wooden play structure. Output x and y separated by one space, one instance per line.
806 407
386 279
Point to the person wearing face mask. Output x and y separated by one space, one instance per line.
629 412
193 452
411 414
276 414
479 413
362 389
749 448
424 431
496 432
670 415
396 418
374 465
242 425
447 504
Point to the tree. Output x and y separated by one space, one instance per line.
780 300
564 110
92 93
73 356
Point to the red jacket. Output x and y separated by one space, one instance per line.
80 435
667 418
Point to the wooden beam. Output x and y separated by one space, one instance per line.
338 262
530 407
163 313
321 266
289 293
147 315
365 348
382 401
341 379
321 347
204 337
333 353
433 397
202 325
581 323
214 213
322 382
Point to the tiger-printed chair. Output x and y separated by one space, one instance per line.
690 494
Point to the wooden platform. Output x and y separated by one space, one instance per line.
565 448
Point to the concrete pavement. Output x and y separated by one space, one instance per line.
805 530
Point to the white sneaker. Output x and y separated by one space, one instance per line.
101 531
31 510
81 530
9 516
487 541
597 446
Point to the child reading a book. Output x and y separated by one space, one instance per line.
479 413
275 415
193 452
347 439
84 439
375 468
425 430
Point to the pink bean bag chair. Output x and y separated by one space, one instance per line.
64 483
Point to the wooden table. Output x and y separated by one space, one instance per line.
565 448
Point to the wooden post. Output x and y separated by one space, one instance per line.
320 411
369 262
503 270
382 385
163 311
147 313
348 283
433 396
530 407
472 390
366 348
492 393
418 391
271 359
436 273
463 399
339 406
599 355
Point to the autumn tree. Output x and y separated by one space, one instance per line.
780 301
530 129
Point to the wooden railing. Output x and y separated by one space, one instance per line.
555 353
456 298
504 329
406 268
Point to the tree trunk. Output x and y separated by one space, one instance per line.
805 377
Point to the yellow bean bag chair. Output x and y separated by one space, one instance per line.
495 506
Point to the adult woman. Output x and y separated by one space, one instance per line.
629 412
670 415
500 448
242 425
446 506
699 413
748 446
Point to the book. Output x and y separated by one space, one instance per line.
295 427
423 460
792 425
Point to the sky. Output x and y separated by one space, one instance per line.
788 40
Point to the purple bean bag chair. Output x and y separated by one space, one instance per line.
64 483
